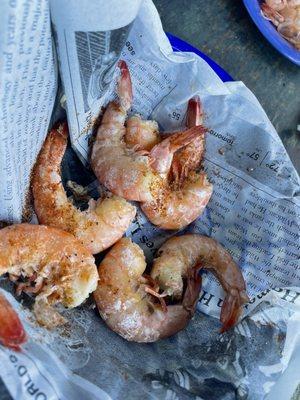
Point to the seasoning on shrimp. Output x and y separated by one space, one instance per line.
137 306
98 227
141 135
54 264
135 163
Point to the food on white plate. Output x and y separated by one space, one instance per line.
12 333
98 227
140 167
144 308
50 263
285 15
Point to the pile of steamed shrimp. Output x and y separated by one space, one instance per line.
137 163
55 262
146 308
285 15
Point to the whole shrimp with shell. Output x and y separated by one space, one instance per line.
129 170
51 264
101 225
145 308
183 174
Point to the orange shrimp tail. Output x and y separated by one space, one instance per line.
60 128
124 86
193 288
231 311
194 115
182 139
161 156
12 333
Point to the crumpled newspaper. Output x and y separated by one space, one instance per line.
254 211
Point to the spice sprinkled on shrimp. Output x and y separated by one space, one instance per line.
140 171
137 306
54 264
98 227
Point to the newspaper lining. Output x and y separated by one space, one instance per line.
254 211
28 88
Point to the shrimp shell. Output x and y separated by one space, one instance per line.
136 174
178 208
100 226
125 296
124 302
65 266
141 135
180 253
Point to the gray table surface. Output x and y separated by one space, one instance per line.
223 30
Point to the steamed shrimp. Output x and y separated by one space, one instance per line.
143 136
12 333
285 15
122 170
135 305
165 211
54 265
125 300
179 254
98 227
143 175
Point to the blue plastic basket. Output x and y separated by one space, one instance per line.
181 45
270 33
